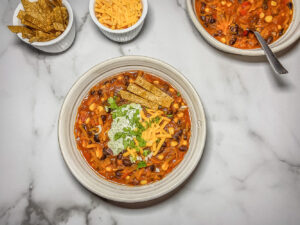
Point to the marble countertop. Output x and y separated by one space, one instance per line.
250 170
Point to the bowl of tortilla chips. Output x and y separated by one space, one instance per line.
47 25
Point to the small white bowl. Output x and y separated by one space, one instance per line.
122 35
290 36
59 44
85 173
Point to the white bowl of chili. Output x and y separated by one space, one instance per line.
291 35
82 170
120 35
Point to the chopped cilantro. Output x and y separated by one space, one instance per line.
141 164
112 103
146 152
170 115
178 94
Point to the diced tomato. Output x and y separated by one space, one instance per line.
245 32
243 12
245 4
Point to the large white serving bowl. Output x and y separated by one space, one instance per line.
59 44
290 36
84 172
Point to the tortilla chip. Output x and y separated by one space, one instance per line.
134 98
147 95
43 20
154 90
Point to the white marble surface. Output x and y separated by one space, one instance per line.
250 171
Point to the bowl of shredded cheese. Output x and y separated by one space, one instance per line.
119 20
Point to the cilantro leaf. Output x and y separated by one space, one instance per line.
146 152
141 164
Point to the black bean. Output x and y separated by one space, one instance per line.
113 80
96 138
90 142
281 32
290 5
165 87
178 134
164 145
202 18
84 127
103 118
269 40
120 156
103 157
90 133
232 41
203 5
183 148
265 4
109 110
100 92
212 20
135 181
107 151
118 173
106 82
126 162
93 92
152 168
234 29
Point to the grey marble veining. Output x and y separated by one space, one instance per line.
250 170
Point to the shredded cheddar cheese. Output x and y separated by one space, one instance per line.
155 135
118 14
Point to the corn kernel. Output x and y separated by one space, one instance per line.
92 107
291 12
127 177
229 4
119 77
171 130
184 142
156 82
108 168
171 89
87 120
100 108
143 182
273 3
160 157
223 2
102 99
175 119
258 29
268 19
206 10
165 166
261 15
176 106
174 143
180 114
223 40
279 27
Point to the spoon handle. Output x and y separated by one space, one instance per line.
275 64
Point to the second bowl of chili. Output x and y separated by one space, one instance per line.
227 24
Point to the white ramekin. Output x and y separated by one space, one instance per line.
59 44
290 36
122 35
85 173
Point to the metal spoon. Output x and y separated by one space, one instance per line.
275 64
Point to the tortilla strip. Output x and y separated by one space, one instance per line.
154 90
147 95
134 98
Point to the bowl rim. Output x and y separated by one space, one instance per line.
51 42
247 52
119 31
161 190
